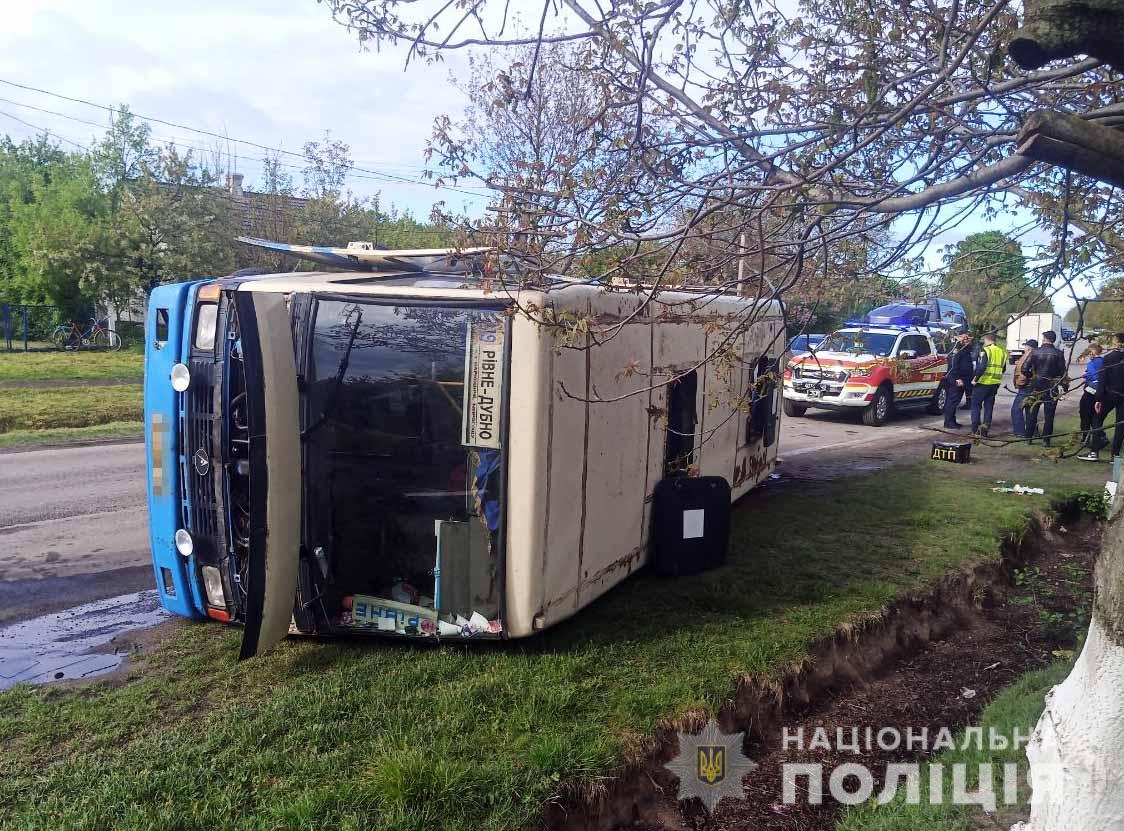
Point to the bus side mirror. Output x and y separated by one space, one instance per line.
907 354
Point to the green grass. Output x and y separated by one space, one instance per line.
1067 440
24 409
380 735
62 435
1018 706
39 366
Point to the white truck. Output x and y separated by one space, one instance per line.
1021 328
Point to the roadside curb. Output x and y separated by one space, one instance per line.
56 445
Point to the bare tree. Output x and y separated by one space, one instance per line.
796 134
763 133
526 131
1077 744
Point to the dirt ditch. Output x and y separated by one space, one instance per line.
931 661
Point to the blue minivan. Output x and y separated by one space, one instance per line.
934 311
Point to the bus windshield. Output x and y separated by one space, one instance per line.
392 458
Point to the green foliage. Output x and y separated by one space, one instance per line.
1107 313
323 212
79 229
169 226
1028 578
987 274
76 228
1094 503
53 208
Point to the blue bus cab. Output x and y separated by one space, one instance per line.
167 335
214 527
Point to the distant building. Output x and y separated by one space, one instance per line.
268 215
261 212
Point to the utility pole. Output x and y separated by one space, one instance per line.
741 263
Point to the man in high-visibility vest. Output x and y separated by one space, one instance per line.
990 365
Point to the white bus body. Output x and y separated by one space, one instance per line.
583 437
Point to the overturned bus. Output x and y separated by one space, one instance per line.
394 448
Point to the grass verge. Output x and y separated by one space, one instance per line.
29 409
41 366
378 735
1017 707
64 435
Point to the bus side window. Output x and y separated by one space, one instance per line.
161 329
679 452
771 403
762 407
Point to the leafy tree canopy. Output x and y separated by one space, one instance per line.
987 274
82 228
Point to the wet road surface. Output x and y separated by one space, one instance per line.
73 526
71 510
72 644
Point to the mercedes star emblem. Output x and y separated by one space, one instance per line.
202 462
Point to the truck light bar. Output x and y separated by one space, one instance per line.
901 327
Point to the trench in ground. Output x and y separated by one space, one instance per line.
907 668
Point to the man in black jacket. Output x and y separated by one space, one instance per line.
1047 368
1110 399
961 368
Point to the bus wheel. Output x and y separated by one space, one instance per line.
879 410
794 410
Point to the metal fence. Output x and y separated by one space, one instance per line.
27 328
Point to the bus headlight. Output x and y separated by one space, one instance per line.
206 320
181 378
212 581
184 544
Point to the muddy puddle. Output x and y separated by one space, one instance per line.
74 644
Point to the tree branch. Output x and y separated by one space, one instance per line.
1075 144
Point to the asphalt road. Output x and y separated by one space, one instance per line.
73 520
827 430
838 442
73 526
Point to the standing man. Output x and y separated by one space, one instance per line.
1022 389
970 384
960 372
1089 396
1047 367
990 365
1109 399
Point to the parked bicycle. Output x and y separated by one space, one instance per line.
70 336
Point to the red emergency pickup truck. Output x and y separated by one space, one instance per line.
871 369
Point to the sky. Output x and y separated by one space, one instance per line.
275 73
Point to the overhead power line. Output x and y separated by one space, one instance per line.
278 209
378 174
44 130
171 139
